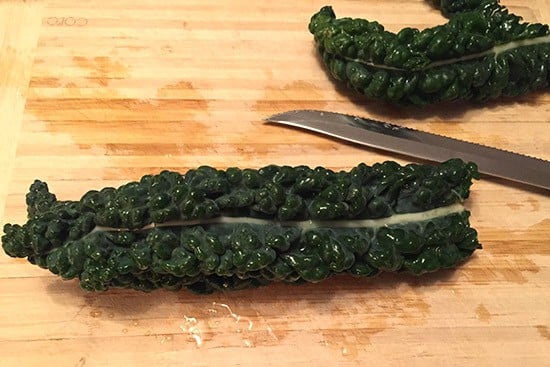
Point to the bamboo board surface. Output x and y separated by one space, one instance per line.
96 94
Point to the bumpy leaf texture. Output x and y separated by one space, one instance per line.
211 229
481 53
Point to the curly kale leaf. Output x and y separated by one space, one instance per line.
213 229
482 53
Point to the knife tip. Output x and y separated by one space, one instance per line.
282 117
277 117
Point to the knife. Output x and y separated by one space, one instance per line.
490 161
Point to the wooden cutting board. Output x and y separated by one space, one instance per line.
95 94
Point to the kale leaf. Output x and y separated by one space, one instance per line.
481 53
211 229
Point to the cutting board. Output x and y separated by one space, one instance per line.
98 93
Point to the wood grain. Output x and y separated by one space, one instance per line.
94 94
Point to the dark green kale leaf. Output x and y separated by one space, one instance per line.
481 53
211 229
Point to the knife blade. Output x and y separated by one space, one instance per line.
415 143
